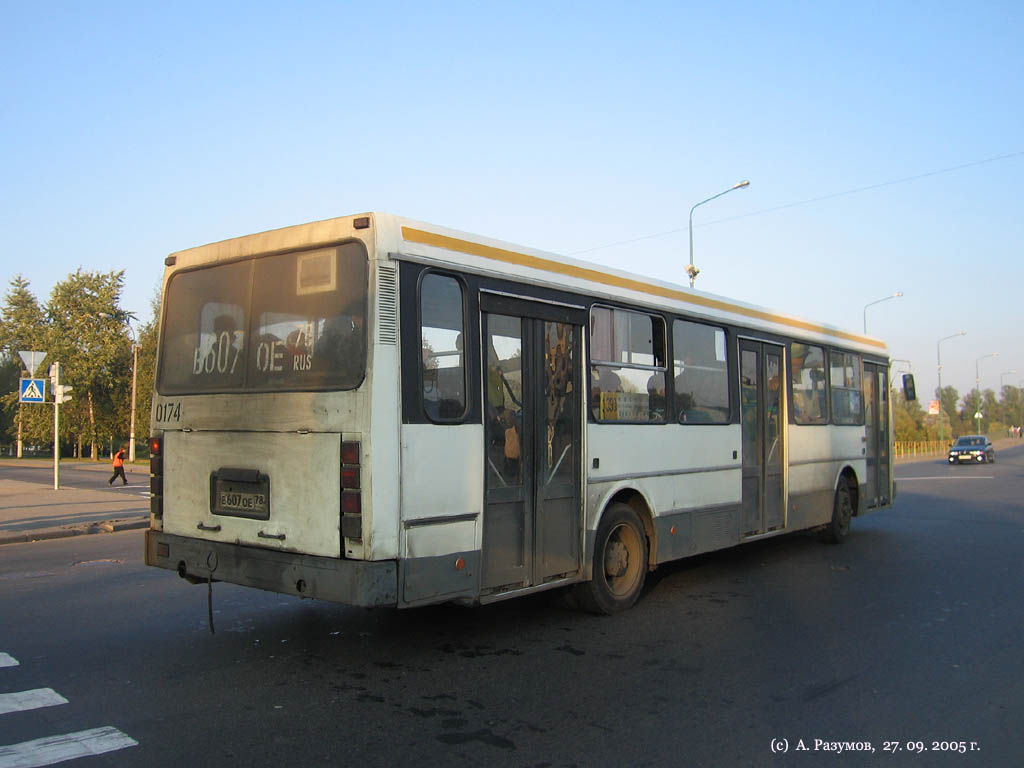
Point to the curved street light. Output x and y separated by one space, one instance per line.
938 355
893 296
691 270
977 386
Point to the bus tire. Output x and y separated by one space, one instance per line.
842 514
620 563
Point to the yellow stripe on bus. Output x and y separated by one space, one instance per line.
585 273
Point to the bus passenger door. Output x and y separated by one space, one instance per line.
761 392
532 522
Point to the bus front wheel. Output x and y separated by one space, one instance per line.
842 514
620 563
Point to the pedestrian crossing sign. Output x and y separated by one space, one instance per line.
32 391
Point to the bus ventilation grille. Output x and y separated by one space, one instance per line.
387 304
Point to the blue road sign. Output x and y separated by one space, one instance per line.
32 391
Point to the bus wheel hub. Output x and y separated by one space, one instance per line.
616 559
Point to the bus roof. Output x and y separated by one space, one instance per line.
406 238
440 244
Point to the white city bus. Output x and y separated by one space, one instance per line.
382 412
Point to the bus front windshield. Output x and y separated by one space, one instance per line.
290 322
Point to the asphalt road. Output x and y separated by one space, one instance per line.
76 474
907 635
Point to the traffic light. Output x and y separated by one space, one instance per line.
62 393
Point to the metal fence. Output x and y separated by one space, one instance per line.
903 449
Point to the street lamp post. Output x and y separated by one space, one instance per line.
131 418
938 355
977 386
128 317
893 296
691 270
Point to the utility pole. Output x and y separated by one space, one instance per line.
55 378
61 394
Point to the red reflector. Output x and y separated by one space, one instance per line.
350 453
351 504
350 477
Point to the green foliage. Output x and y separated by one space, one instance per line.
84 328
22 327
146 368
909 419
911 423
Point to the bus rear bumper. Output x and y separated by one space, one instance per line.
353 582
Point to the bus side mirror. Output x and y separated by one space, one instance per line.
909 392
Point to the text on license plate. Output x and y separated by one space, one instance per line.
243 502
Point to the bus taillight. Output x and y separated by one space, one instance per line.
351 497
350 453
351 506
156 478
350 478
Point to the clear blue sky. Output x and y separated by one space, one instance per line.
131 131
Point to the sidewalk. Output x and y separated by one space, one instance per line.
33 511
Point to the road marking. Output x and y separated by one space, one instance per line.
7 661
26 700
55 749
945 477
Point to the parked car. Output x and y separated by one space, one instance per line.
974 449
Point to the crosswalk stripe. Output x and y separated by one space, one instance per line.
55 749
25 700
7 660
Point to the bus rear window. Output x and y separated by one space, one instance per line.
295 321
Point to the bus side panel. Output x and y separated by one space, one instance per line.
304 481
812 479
692 482
380 519
442 504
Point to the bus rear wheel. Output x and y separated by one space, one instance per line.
620 563
842 514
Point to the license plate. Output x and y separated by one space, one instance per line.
239 501
240 493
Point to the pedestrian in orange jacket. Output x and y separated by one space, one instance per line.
118 468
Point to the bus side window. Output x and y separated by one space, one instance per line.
847 403
808 376
701 383
442 343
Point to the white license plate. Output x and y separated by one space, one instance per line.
255 503
247 495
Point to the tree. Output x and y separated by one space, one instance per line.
22 327
908 419
948 399
87 338
145 374
1012 405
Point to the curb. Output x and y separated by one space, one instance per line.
103 526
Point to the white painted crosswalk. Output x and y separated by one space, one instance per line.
57 749
25 700
52 749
